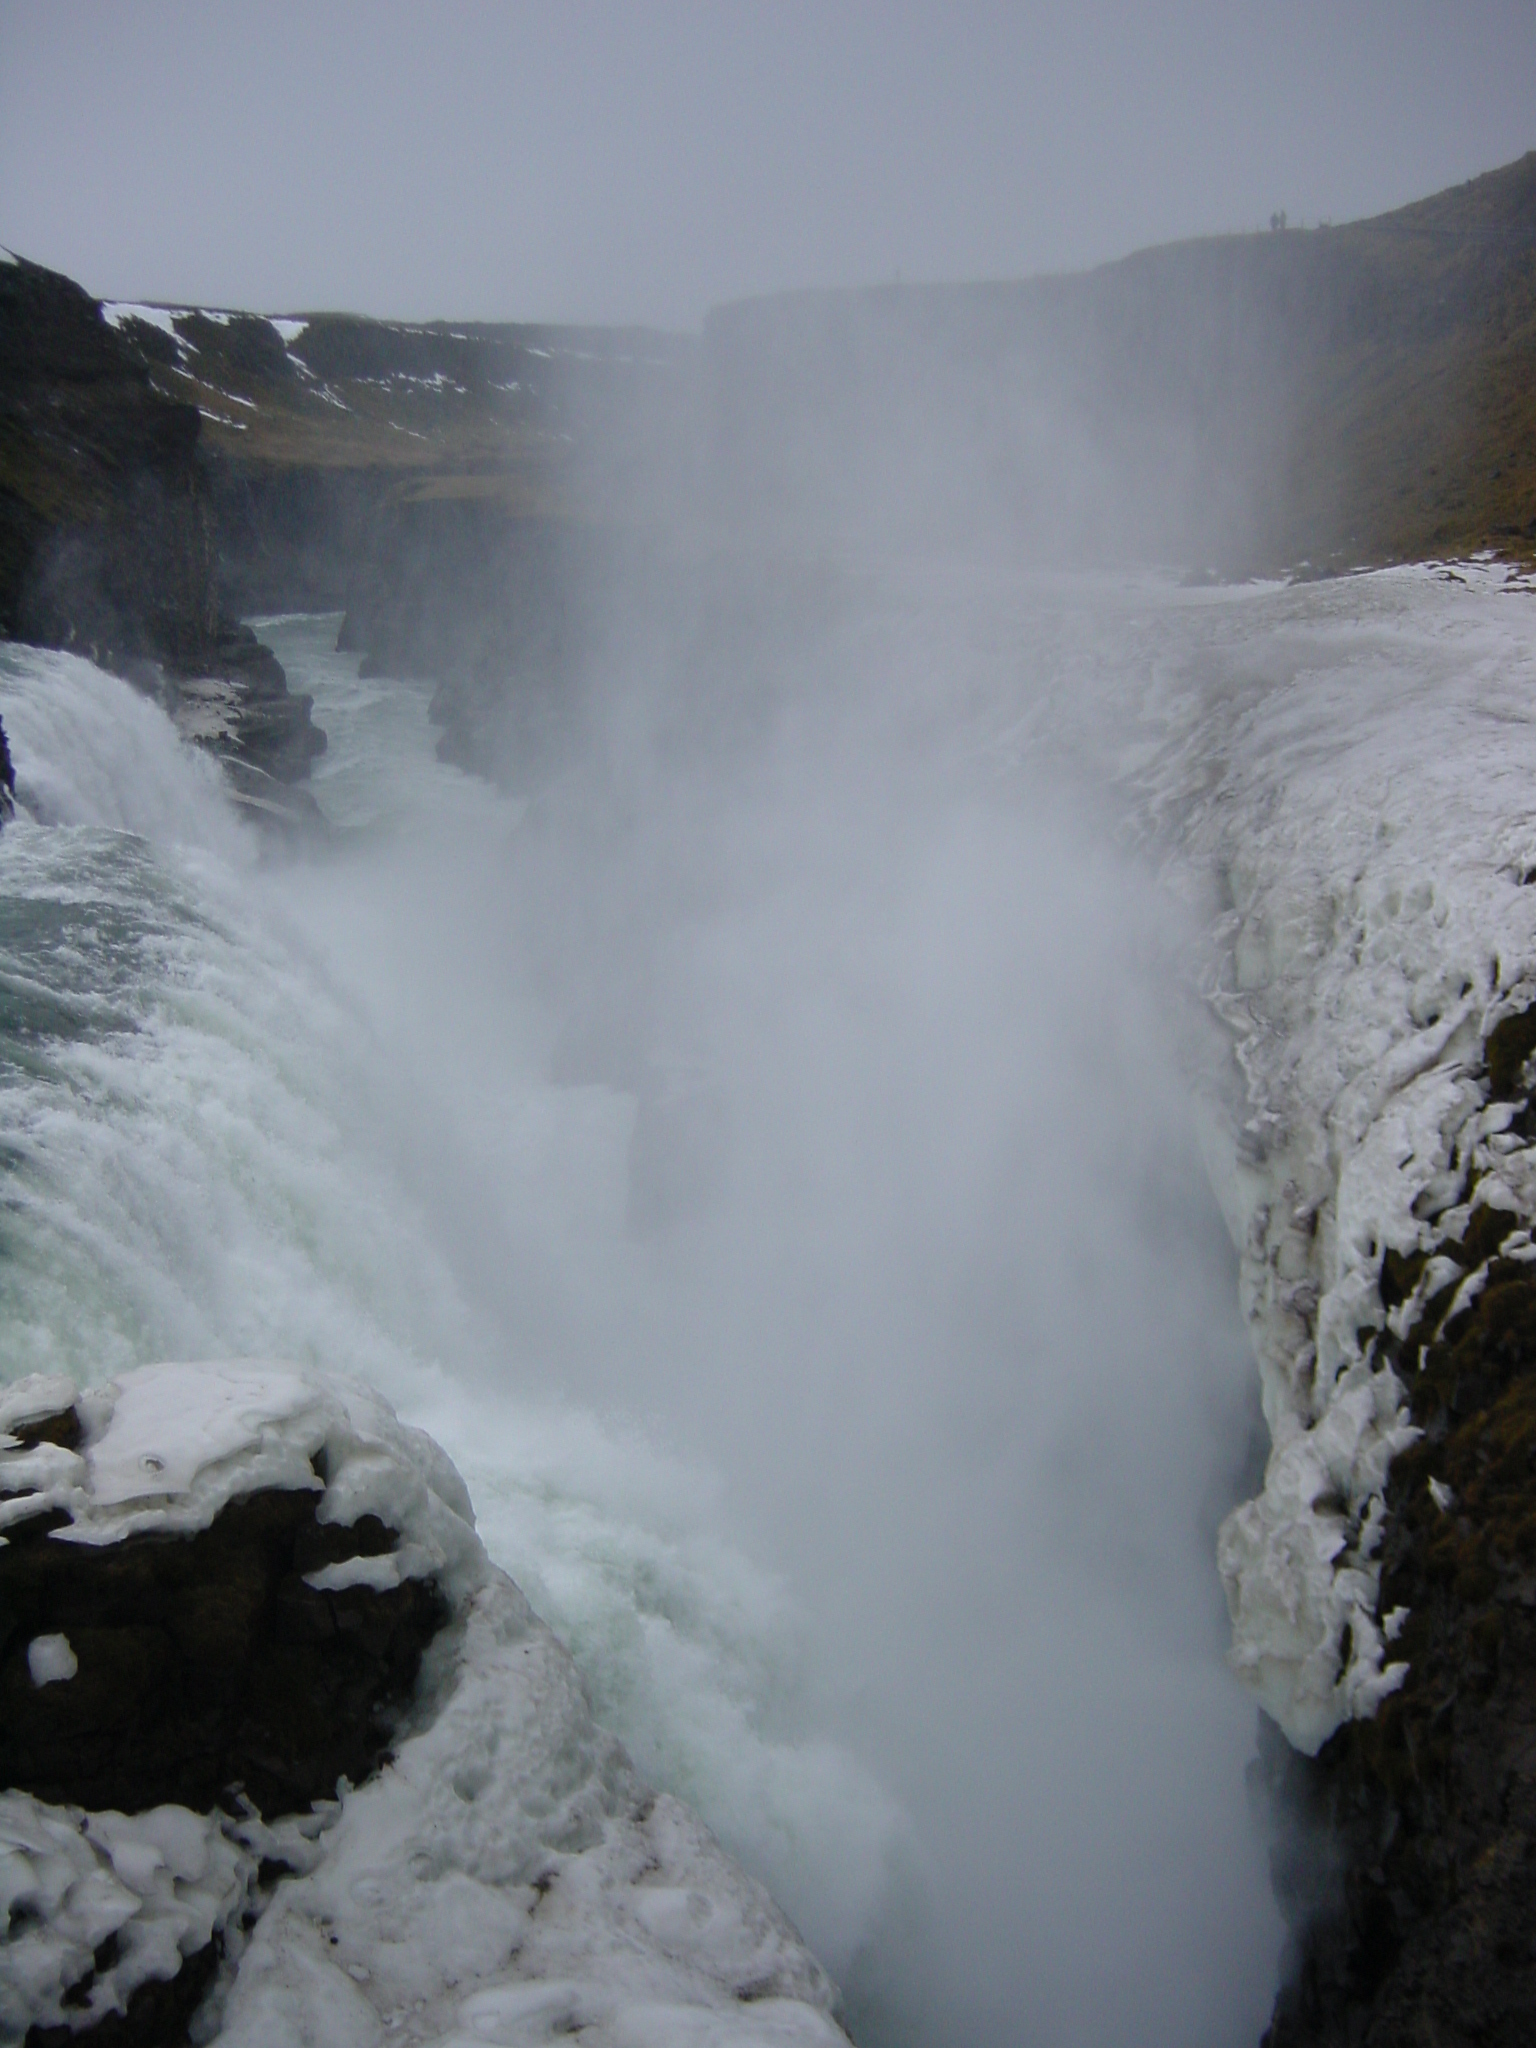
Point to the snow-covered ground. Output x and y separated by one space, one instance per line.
504 1878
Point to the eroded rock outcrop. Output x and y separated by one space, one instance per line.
285 1758
1409 1852
201 1664
106 534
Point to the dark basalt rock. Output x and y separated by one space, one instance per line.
207 1667
106 531
506 613
289 537
1407 1866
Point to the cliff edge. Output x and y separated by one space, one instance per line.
106 532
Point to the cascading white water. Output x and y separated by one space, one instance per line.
940 1328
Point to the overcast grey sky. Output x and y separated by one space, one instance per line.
572 160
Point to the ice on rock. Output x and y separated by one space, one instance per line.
508 1871
505 1876
1335 779
167 1446
158 1884
33 1400
50 1660
1364 797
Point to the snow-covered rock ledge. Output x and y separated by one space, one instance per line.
500 1876
1338 781
1371 824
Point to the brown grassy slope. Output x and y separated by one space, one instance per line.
1416 427
1336 395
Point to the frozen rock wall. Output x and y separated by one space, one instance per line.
1354 784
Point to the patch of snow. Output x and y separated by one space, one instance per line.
438 381
50 1660
160 1883
289 330
505 1876
1366 811
207 709
118 312
508 1878
166 1447
33 1400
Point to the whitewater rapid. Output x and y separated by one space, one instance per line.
196 1166
874 1480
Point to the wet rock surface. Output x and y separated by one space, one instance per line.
1407 1860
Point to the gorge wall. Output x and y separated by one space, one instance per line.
107 542
501 510
1406 1846
1317 399
485 501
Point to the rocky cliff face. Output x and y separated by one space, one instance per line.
472 496
1409 1841
505 612
106 534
